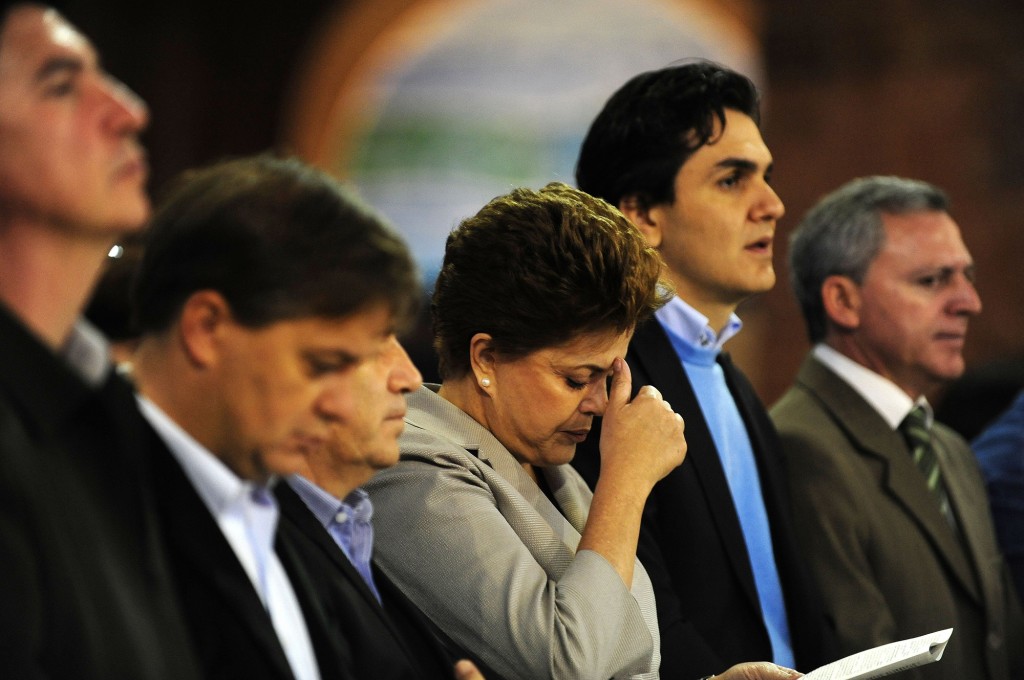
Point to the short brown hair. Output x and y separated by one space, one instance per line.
278 239
534 269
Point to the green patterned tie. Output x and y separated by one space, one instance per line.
915 429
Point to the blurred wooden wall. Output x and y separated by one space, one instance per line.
932 89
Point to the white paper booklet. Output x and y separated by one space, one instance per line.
890 658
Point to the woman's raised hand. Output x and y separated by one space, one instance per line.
641 440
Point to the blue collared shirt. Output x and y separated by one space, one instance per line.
349 522
690 325
697 345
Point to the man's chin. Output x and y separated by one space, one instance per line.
125 215
386 461
283 461
764 284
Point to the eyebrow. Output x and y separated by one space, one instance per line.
946 269
593 368
744 164
325 354
56 65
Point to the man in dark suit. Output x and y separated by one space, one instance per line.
679 151
388 636
84 584
262 285
267 300
330 519
890 505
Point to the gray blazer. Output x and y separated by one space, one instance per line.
476 544
888 564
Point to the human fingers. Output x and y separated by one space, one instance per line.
467 670
759 670
622 384
650 391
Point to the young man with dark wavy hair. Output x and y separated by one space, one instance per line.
680 152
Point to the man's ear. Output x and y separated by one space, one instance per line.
842 300
204 319
482 359
639 212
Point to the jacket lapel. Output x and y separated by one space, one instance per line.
767 455
976 536
899 477
197 540
655 357
331 652
430 412
573 500
293 510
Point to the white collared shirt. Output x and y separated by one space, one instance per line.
87 352
882 394
247 515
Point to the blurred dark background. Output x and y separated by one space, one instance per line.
932 89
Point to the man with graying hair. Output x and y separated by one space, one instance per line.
890 506
84 588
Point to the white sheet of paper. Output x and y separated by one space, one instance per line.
886 659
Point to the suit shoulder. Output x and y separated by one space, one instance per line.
807 432
431 467
795 410
418 445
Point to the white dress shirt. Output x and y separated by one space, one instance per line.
892 403
247 515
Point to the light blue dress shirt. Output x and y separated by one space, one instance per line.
349 522
697 345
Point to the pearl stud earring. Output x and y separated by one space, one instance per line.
485 382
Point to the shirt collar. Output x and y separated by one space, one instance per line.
40 381
87 352
218 486
892 403
326 508
692 327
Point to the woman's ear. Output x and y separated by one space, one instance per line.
841 298
482 359
640 213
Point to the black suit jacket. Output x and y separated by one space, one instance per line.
232 632
389 642
85 591
691 542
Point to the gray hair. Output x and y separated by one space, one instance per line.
843 233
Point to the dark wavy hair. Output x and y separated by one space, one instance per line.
535 269
653 124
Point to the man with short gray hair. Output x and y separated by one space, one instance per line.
890 506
